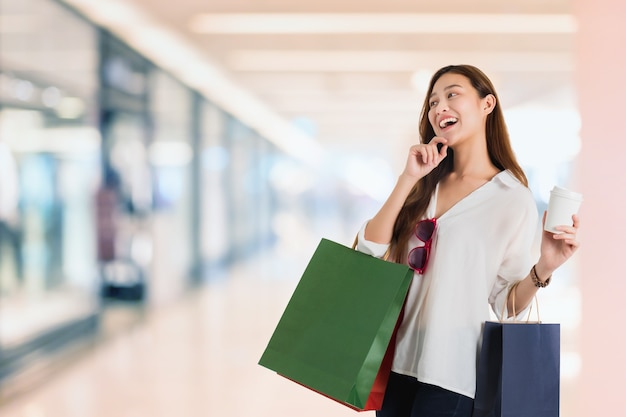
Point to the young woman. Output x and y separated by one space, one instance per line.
462 216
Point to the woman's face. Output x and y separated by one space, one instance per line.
456 111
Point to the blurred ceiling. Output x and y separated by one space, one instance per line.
351 73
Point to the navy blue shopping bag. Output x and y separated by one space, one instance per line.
518 370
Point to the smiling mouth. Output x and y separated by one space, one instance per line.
449 121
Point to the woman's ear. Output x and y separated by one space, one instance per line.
489 103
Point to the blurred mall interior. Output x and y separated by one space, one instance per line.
167 169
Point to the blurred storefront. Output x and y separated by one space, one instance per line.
125 197
117 181
250 201
170 155
50 169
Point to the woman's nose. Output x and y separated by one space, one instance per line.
442 106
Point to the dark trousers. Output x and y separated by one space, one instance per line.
407 397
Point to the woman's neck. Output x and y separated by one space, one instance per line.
471 160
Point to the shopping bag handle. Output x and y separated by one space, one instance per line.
512 294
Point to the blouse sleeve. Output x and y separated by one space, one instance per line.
377 250
517 259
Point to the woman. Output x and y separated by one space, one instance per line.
462 216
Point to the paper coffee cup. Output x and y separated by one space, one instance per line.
562 205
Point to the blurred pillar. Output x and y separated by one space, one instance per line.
601 67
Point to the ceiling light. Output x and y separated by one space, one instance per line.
382 23
420 80
392 61
51 97
70 108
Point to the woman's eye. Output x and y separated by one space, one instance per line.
432 103
450 95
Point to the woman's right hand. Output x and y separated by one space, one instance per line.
422 159
425 157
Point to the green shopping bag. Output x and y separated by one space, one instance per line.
337 327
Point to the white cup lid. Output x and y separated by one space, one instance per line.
564 192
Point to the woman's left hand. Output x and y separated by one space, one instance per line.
556 248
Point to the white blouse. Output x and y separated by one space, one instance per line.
481 246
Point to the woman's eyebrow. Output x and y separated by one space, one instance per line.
447 88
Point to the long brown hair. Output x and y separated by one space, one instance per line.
498 147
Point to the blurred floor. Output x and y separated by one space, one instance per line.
194 357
